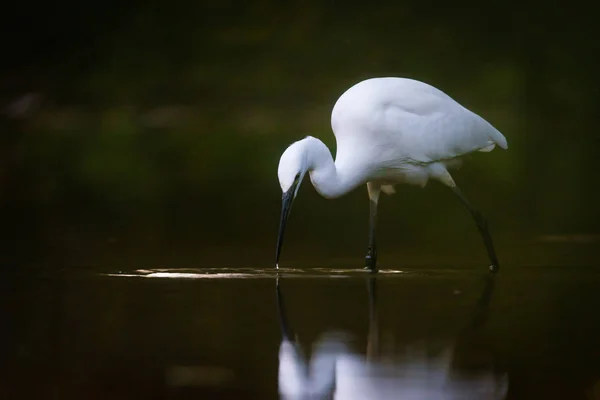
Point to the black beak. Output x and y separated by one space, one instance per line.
286 206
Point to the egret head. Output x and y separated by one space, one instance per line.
292 168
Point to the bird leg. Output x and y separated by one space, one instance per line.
371 258
482 225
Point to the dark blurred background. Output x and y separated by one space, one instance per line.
148 133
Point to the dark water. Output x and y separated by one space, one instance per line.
426 333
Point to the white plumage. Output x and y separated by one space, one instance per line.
388 131
387 123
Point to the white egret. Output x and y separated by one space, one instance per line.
388 131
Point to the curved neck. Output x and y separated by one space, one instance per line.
329 180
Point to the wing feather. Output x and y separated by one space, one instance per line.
406 120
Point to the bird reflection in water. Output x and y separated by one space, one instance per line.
335 371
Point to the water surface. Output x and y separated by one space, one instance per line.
254 333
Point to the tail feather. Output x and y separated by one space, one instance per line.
499 139
489 148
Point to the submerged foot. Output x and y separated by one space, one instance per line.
371 263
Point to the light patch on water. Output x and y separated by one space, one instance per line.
179 275
198 375
575 238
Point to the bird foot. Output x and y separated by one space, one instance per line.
371 263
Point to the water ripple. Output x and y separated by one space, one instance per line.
249 273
